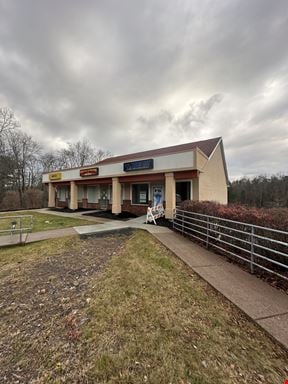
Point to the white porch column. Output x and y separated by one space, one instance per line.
170 195
116 196
73 195
51 195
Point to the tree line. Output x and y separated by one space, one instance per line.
23 160
260 191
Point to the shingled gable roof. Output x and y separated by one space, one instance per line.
206 146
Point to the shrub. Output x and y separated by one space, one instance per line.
11 201
33 198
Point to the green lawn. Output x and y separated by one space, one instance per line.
154 320
41 221
124 309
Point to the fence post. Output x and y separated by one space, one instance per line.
20 222
252 251
182 222
174 217
207 233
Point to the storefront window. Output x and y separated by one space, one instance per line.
140 193
183 191
62 193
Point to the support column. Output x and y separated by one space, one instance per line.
116 196
170 195
73 195
51 195
195 186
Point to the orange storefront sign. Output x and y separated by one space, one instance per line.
89 172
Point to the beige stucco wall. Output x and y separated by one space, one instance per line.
212 181
200 159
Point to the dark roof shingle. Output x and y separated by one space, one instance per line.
206 146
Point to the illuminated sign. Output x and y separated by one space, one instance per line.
89 172
55 176
138 165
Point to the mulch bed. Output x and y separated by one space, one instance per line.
67 210
162 222
109 215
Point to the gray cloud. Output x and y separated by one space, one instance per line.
130 76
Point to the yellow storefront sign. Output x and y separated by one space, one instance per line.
55 176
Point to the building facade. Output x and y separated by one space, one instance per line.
132 182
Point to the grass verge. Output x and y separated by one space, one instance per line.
152 320
41 221
124 309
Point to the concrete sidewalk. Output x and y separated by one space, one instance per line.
114 225
76 215
37 236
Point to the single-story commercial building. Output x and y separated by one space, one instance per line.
132 182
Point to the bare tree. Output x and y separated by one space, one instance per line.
50 161
8 121
25 153
6 172
100 154
22 163
80 154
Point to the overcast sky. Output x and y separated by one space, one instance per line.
135 75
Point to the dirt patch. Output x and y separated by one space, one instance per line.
43 305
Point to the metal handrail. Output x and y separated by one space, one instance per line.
207 229
239 239
233 221
241 231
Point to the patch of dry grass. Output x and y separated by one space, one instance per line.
154 321
32 251
42 305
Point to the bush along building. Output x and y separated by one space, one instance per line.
193 171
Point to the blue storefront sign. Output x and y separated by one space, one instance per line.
138 165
